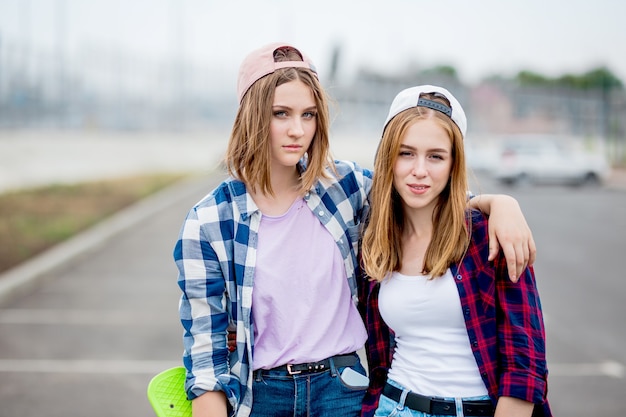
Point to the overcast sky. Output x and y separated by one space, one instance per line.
479 37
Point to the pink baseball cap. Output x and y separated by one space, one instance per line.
260 63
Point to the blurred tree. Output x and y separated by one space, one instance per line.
598 78
601 78
445 70
531 78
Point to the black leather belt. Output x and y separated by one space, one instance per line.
339 361
430 405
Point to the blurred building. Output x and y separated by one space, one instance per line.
109 89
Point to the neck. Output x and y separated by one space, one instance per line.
417 234
418 222
285 187
284 180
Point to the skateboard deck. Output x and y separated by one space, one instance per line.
166 393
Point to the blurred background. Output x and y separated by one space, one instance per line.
170 66
166 65
93 89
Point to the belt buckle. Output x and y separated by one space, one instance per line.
292 372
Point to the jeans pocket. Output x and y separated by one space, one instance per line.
390 408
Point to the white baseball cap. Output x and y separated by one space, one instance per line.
410 97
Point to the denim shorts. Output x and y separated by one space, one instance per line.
390 408
321 394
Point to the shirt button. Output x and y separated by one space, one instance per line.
459 277
321 212
475 343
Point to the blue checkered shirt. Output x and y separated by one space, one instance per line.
216 255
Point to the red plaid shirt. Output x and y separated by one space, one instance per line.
504 324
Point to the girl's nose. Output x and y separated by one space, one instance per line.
295 128
419 168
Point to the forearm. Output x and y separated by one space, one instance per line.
521 338
210 404
205 322
512 407
485 202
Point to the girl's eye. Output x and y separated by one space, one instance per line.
280 113
405 153
310 115
436 156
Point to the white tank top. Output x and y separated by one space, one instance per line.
433 354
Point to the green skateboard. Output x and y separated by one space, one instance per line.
166 393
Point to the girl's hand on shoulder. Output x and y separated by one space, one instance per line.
509 230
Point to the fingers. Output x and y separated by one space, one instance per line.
532 249
514 260
518 253
494 245
232 341
519 263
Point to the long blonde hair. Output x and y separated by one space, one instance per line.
382 244
248 152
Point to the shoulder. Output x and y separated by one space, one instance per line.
478 220
351 167
221 200
479 235
351 177
478 250
221 193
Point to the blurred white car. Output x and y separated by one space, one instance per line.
548 159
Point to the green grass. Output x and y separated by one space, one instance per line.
34 220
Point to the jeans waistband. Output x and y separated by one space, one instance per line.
438 406
339 361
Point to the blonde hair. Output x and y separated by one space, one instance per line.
382 244
248 152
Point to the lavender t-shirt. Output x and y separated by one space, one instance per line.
301 302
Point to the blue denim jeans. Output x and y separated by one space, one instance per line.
390 408
321 394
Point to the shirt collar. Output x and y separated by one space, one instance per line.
246 205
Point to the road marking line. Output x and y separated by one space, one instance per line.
86 366
78 317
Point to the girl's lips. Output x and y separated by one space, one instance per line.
292 147
418 188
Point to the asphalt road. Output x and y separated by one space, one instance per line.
581 240
87 335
